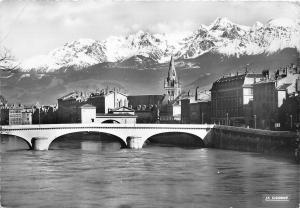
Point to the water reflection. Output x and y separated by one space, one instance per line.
94 142
176 139
100 146
9 143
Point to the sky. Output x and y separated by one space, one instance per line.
29 28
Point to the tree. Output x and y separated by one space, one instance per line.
7 63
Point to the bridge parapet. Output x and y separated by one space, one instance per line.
94 125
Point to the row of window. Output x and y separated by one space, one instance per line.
233 112
220 103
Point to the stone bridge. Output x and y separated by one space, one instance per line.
39 137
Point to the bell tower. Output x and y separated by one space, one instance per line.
171 84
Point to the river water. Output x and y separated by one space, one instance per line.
93 173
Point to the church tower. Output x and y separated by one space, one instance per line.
172 85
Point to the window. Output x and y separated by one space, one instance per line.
92 120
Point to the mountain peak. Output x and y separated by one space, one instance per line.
140 33
81 42
221 22
258 25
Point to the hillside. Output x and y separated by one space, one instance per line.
200 71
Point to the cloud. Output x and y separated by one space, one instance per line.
45 25
174 27
73 22
123 29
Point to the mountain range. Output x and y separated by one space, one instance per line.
138 62
144 48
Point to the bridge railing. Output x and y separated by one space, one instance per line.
97 125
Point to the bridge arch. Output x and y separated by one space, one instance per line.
111 121
177 138
117 137
21 138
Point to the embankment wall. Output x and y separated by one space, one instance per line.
252 140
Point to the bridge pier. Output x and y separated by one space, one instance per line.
134 142
39 143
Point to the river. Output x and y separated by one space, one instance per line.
93 173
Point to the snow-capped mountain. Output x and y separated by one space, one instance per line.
222 36
228 38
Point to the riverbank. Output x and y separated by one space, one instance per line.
252 140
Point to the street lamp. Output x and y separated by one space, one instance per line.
291 118
254 121
227 119
39 107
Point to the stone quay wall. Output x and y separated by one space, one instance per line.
252 140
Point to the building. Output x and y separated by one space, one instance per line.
4 115
289 113
231 99
138 101
77 107
123 115
266 96
3 111
185 110
146 107
171 112
290 78
27 116
106 100
88 113
171 83
279 96
15 114
45 114
69 106
160 108
19 115
196 109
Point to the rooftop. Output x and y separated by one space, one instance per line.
265 81
231 78
239 77
283 87
83 96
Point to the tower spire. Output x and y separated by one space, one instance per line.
172 85
172 72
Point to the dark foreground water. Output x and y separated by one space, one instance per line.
100 174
